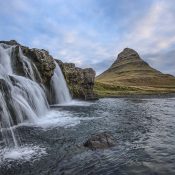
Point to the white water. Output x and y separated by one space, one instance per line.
24 153
60 90
5 60
22 99
27 66
74 103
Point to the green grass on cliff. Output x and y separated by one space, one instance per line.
111 90
130 75
133 82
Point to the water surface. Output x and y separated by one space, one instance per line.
143 129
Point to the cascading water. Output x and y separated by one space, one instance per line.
26 65
5 60
22 98
60 91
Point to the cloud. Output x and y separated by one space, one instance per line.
166 61
91 33
154 32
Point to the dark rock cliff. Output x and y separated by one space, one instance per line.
80 81
39 59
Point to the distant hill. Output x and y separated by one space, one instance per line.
130 74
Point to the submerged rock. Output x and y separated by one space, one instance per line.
100 141
80 81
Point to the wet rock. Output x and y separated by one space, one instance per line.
100 141
11 42
80 81
41 61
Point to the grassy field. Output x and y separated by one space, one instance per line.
113 83
111 90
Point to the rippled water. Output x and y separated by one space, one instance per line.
144 130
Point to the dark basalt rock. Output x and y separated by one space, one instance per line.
43 61
100 141
39 58
80 81
11 42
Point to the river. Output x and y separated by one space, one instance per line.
143 128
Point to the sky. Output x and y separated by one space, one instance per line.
91 33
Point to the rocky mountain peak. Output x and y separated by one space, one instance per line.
127 55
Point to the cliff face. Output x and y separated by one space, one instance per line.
80 81
30 80
42 66
43 61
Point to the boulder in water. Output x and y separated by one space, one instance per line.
100 141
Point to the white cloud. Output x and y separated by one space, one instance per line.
81 42
155 31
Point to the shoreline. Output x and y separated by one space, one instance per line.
166 95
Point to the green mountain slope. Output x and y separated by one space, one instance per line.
129 74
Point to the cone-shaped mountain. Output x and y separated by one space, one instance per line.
131 71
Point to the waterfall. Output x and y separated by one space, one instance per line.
60 91
5 60
7 131
26 65
21 99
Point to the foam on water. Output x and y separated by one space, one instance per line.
75 103
25 153
54 119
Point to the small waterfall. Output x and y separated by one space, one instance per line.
21 99
26 65
6 123
60 91
5 60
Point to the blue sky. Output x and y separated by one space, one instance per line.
91 33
